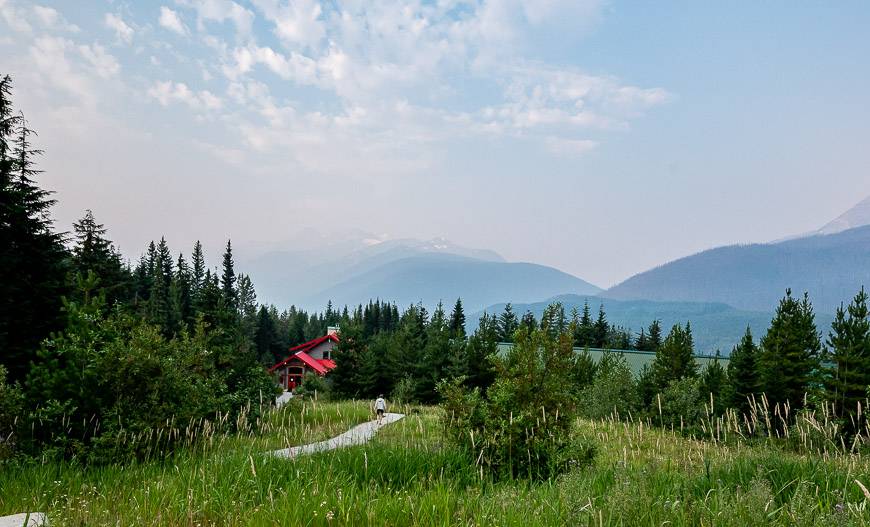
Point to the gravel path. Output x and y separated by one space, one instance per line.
355 436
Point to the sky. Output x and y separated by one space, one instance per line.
599 137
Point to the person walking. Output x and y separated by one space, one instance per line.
380 408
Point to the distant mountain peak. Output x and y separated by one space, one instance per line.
857 216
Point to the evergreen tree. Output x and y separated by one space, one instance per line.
789 357
228 280
848 378
198 271
654 335
269 349
94 253
182 294
675 358
600 329
32 256
457 321
714 380
585 333
482 344
642 342
743 374
528 322
508 323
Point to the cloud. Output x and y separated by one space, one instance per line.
103 63
170 20
297 22
14 17
123 31
50 18
221 11
167 92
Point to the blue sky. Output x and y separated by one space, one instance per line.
599 137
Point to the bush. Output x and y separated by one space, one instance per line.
612 391
314 385
11 406
112 387
681 404
523 427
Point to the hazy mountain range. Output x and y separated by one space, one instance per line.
831 264
720 291
354 269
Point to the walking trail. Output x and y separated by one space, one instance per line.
357 435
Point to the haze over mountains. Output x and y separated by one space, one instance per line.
720 291
831 264
357 267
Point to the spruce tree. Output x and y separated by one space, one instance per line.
32 255
848 377
228 280
654 335
457 321
743 374
789 358
482 344
182 294
198 270
584 336
528 322
508 323
714 380
93 253
600 329
675 358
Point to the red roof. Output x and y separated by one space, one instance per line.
300 352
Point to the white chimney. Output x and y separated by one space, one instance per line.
332 330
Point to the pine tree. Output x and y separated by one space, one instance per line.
508 324
269 349
675 358
94 253
714 380
182 294
228 279
528 322
654 335
31 254
642 342
584 332
743 374
789 357
198 272
600 329
848 378
457 321
482 344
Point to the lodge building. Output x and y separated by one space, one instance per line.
314 356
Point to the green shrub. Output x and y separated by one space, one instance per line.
11 406
681 405
314 385
612 392
522 428
112 387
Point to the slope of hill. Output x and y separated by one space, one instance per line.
715 326
832 268
433 277
857 216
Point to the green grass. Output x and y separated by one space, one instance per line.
408 476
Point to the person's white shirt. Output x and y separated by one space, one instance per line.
381 404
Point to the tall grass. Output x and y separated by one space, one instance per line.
407 475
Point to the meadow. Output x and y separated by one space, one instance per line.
408 476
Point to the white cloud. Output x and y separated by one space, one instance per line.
170 20
14 17
103 63
167 92
298 22
50 18
123 31
221 11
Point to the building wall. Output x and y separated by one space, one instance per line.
322 351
